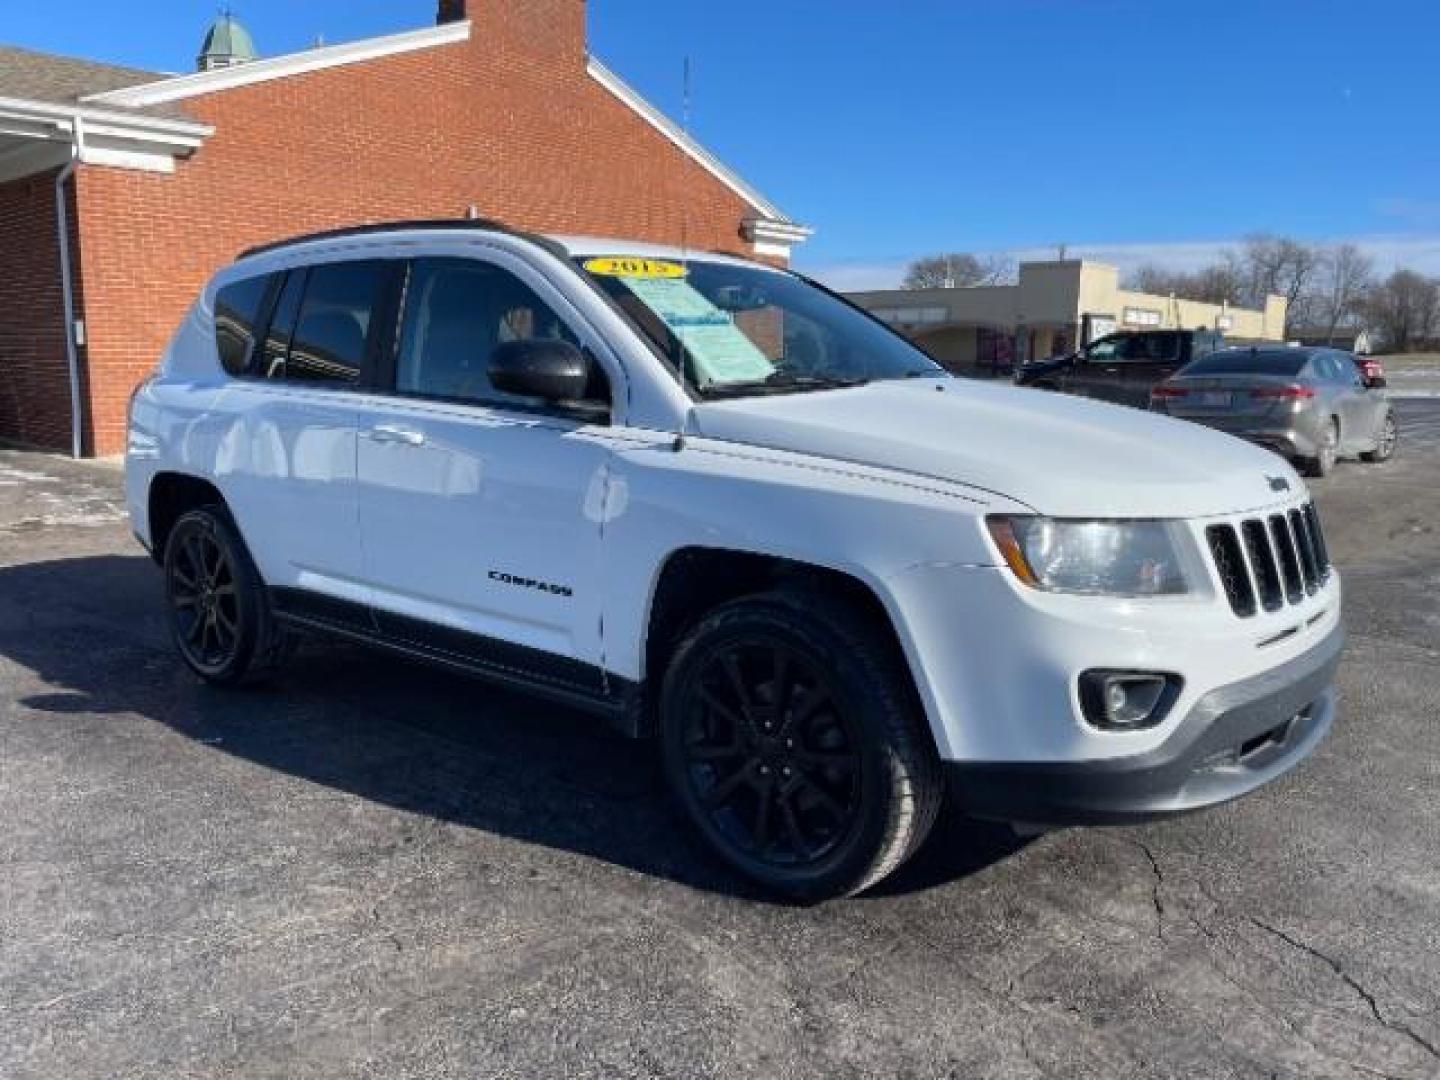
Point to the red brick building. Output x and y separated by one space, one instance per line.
159 180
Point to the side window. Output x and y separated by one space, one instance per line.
328 345
1105 351
1329 368
282 326
456 312
237 310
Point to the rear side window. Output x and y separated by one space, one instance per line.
237 311
334 323
1287 362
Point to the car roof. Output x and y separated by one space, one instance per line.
576 246
1307 351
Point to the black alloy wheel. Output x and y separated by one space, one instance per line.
794 740
203 602
771 755
219 611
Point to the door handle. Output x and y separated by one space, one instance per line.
387 433
1112 371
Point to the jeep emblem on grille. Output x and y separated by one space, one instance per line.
1278 483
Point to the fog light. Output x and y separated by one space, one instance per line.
1127 700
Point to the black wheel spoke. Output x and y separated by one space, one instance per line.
792 828
726 713
195 630
821 796
726 790
226 623
195 550
766 796
808 705
780 684
731 663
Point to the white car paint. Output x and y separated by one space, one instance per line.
889 483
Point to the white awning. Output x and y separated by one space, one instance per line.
37 136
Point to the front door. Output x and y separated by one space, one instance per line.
481 513
1096 372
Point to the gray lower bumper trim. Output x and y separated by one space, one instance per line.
1234 740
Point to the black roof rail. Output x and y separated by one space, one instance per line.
437 224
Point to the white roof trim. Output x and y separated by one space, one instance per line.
279 67
181 134
672 131
768 230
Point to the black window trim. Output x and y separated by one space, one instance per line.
387 361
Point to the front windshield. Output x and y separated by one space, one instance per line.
734 330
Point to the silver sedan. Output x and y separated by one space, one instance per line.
1313 406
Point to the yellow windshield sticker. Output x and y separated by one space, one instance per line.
635 268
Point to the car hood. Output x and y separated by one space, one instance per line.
1062 456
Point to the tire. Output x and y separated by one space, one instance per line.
1386 442
1323 463
793 740
218 609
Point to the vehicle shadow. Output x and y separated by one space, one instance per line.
387 730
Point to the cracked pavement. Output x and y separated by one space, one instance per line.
376 870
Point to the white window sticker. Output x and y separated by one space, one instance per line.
721 351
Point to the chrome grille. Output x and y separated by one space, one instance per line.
1270 562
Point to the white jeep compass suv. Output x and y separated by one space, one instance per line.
714 503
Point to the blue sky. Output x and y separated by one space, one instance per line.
1125 129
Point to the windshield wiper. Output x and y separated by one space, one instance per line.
781 383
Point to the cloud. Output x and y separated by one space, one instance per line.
1417 213
1418 252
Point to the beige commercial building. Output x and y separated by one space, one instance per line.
1053 308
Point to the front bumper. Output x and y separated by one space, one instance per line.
1232 741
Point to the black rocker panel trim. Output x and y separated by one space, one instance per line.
305 604
558 678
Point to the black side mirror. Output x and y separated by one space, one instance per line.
550 370
1376 383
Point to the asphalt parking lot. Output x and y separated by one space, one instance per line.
378 870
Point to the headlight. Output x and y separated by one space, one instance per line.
1101 558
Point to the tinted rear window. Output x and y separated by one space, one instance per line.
1262 362
237 310
328 345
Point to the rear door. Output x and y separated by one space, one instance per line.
1361 408
288 466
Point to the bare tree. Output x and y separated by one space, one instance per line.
1277 266
1405 308
959 270
1346 274
1214 284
